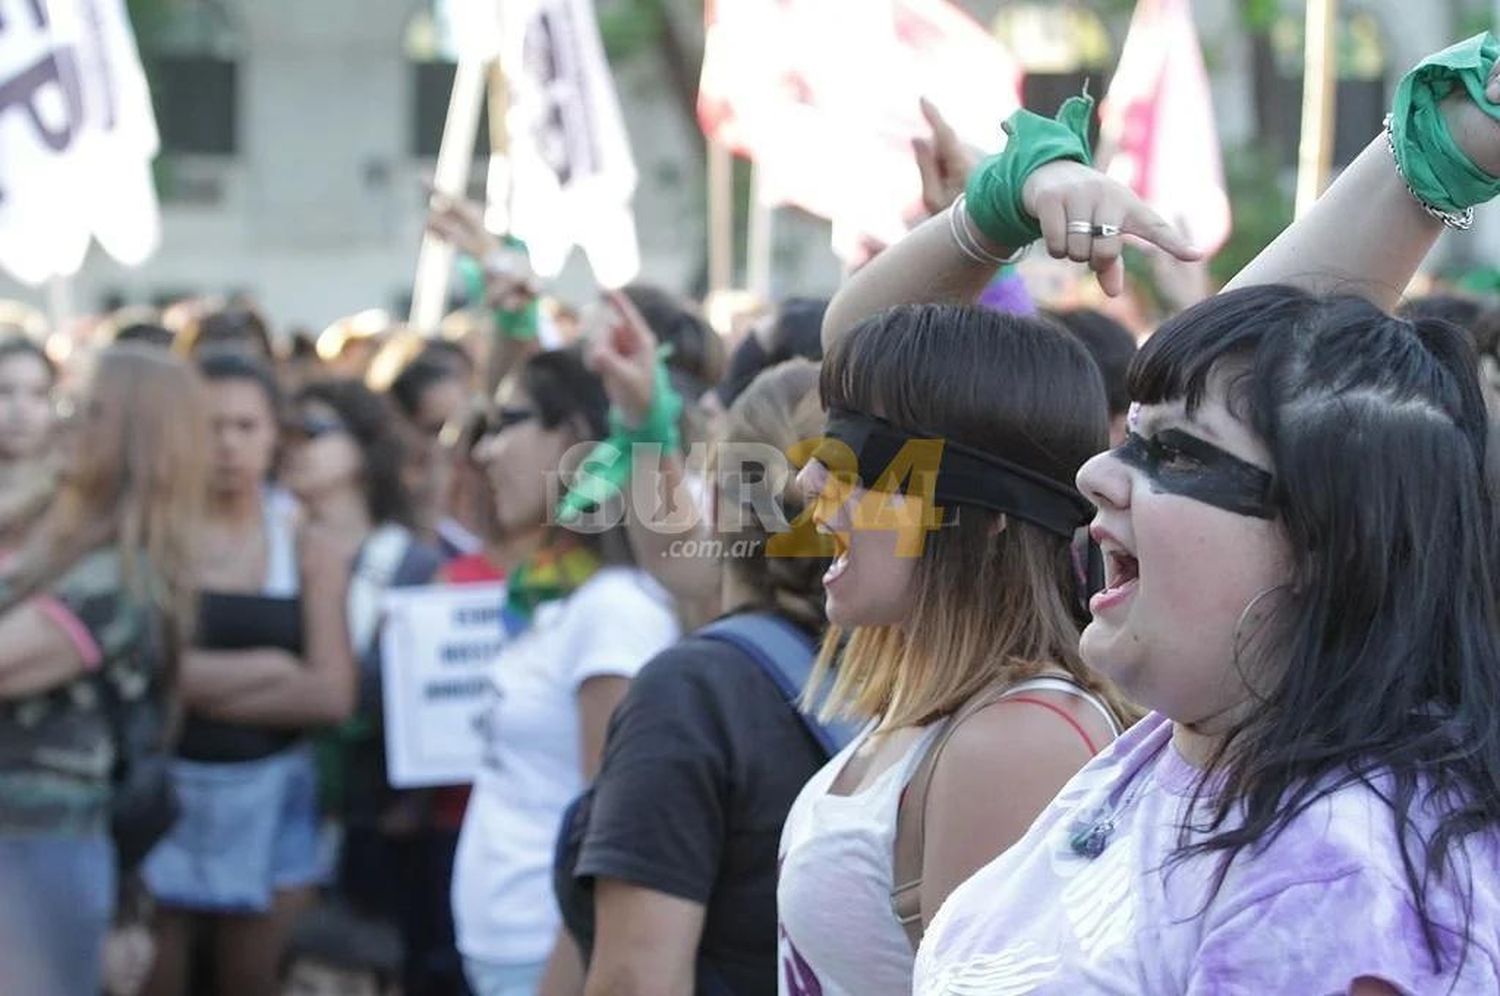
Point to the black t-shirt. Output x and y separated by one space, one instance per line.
702 763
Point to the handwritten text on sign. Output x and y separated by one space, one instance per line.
437 646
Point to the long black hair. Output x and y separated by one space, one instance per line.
1383 668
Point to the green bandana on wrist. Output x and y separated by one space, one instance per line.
993 192
606 470
1436 168
523 322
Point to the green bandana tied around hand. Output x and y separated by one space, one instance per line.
1436 169
993 193
606 470
523 322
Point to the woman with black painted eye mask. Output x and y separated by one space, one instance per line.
1300 585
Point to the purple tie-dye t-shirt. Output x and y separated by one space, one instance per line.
1324 905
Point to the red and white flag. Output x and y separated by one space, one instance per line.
1158 134
823 96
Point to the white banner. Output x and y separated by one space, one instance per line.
437 646
77 136
569 176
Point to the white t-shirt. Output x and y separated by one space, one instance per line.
503 907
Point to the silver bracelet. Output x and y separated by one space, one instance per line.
968 241
1460 220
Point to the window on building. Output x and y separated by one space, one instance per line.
432 61
191 52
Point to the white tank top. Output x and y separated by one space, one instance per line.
283 579
838 935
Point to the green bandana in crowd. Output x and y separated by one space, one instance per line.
1439 172
993 193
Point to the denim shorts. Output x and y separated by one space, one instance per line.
57 897
487 978
247 830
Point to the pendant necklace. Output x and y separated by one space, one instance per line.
1090 835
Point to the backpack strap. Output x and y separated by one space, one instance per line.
785 654
911 818
911 814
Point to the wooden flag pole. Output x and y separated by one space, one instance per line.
720 217
759 239
1319 84
455 156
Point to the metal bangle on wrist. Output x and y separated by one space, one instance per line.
1460 221
968 242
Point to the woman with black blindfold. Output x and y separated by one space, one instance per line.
943 492
1300 583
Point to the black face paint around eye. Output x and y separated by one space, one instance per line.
1180 463
963 476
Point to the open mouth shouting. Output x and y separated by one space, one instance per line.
1121 573
840 558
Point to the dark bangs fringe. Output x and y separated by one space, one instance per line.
1382 666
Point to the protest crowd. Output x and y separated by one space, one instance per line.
918 640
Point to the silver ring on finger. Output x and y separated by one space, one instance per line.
1081 228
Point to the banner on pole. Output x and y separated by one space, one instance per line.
823 95
1157 127
569 177
78 135
437 646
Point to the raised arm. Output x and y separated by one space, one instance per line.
951 257
1367 235
624 358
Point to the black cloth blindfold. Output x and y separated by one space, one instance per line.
964 476
1180 463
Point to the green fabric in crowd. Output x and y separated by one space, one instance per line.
606 470
1440 172
993 192
521 323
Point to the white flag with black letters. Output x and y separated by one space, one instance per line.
77 136
569 177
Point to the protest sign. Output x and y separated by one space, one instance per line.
437 646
